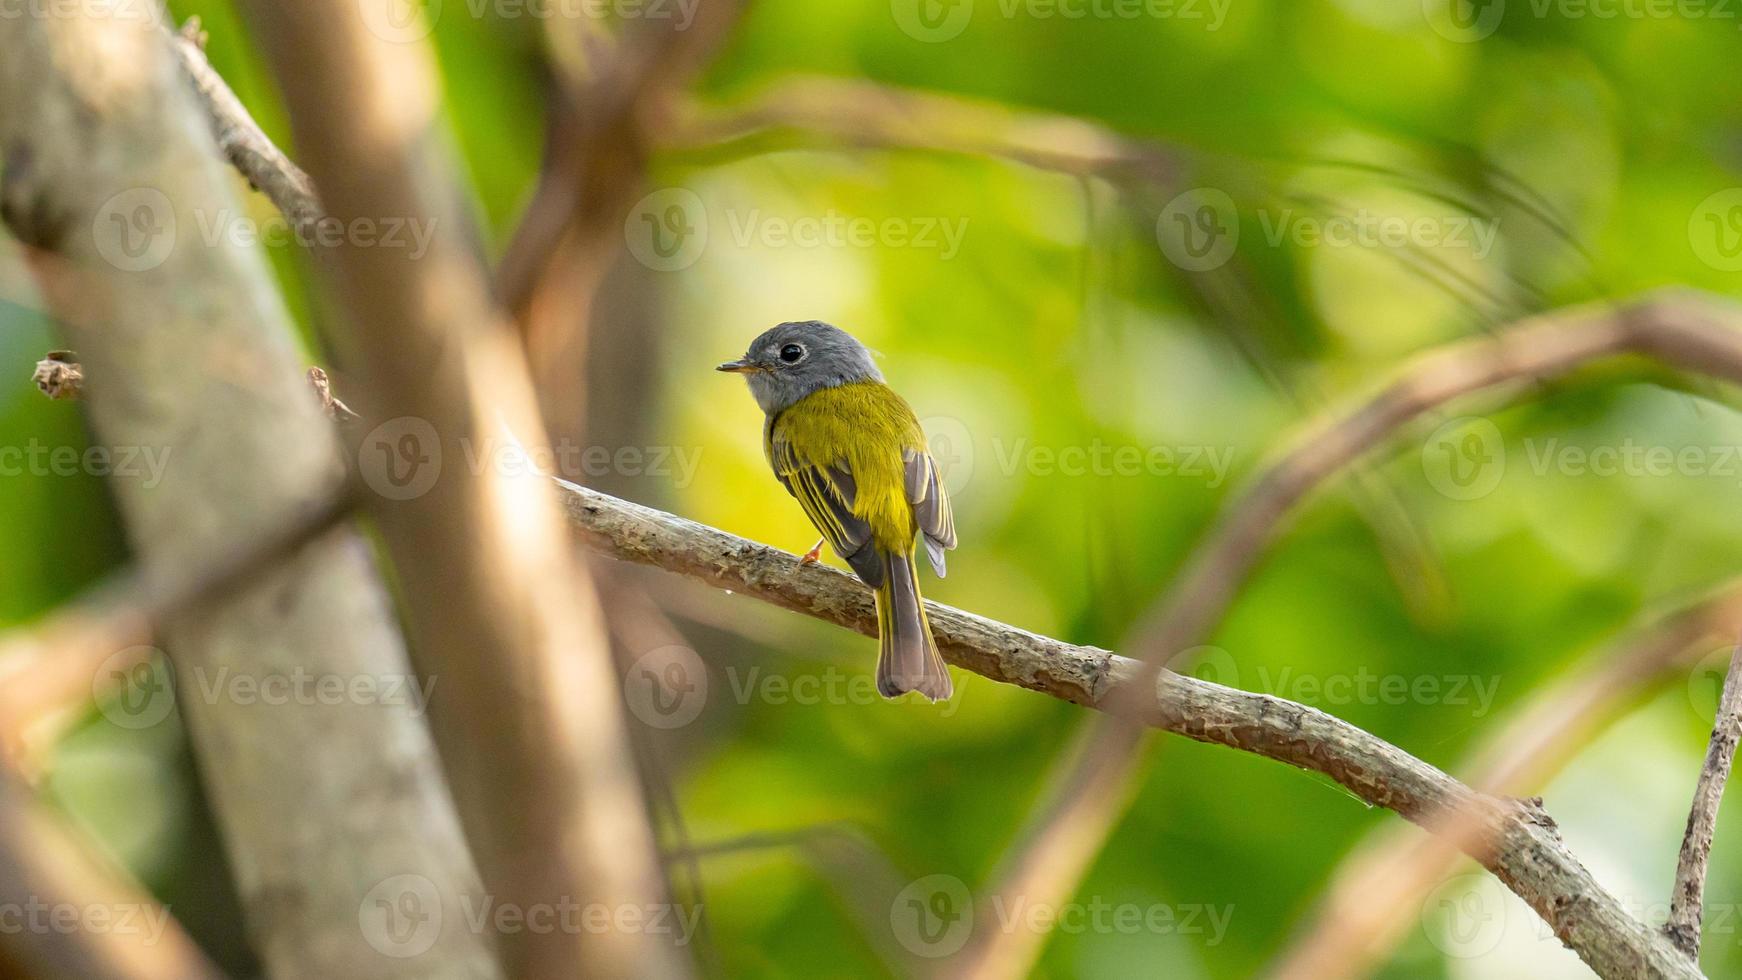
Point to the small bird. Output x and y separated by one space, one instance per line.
852 452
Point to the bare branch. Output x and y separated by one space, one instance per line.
1380 887
853 113
56 663
1686 905
1513 840
46 871
529 717
242 142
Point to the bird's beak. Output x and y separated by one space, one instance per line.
738 367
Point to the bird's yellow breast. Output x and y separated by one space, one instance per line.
866 428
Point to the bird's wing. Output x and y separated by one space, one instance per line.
931 506
826 493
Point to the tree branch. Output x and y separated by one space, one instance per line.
1686 904
1378 891
49 879
529 721
1515 842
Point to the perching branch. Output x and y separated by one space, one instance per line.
1517 843
1686 901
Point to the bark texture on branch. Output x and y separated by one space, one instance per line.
1520 844
188 353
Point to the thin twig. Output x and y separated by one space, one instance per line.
1686 905
243 143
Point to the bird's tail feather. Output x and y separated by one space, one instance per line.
907 656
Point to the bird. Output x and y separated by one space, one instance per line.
852 453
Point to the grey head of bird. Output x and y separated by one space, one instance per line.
791 360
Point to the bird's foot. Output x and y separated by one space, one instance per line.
812 556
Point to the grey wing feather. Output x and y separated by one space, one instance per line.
931 506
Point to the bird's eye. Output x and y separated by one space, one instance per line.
791 353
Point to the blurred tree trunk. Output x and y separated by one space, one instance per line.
330 811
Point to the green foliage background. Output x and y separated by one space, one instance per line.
1059 323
